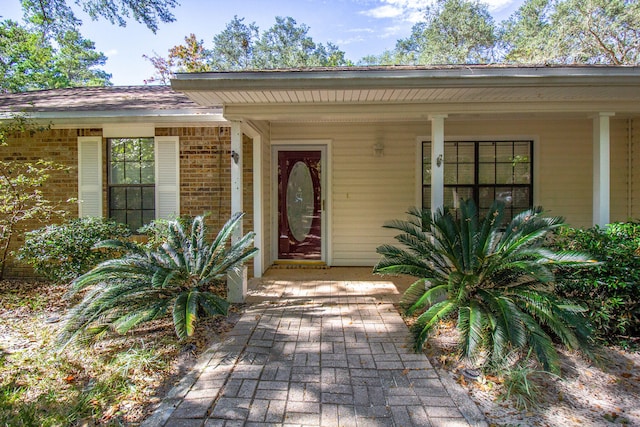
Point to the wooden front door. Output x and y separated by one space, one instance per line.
299 205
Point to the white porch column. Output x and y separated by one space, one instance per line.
601 169
437 161
236 281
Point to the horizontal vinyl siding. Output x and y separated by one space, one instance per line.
368 190
635 171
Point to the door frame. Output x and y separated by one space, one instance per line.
324 146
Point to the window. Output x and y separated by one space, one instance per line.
131 194
483 171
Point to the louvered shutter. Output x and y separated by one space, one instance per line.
167 176
90 176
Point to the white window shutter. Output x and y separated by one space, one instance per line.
90 176
167 154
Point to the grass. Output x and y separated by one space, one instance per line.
113 382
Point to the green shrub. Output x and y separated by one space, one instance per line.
62 252
610 290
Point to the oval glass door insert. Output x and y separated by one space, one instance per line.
300 201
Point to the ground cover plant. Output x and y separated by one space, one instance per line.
494 279
148 284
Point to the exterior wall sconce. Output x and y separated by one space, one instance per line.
378 149
235 156
438 161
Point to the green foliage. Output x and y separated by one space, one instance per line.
21 184
147 284
573 31
31 59
62 252
57 13
494 280
519 385
610 290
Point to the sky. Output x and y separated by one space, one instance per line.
358 27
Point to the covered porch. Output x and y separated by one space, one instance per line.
394 137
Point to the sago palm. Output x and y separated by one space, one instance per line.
496 280
146 284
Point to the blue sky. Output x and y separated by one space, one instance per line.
358 27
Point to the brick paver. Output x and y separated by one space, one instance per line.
337 360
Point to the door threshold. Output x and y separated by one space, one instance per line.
286 264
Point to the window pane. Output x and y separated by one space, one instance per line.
466 152
132 172
148 216
131 149
521 150
504 152
487 152
119 216
486 197
450 172
521 197
504 195
117 149
134 198
117 173
118 198
426 163
522 174
147 173
146 150
466 173
487 173
148 198
426 197
134 219
504 173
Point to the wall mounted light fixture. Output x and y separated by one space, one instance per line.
378 149
235 156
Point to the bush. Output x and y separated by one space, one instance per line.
62 252
611 290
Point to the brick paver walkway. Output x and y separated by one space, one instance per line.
317 361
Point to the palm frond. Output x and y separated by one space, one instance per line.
430 318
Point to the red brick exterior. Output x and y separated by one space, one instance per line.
205 177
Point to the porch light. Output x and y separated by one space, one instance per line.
235 156
378 149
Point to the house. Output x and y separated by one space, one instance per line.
321 158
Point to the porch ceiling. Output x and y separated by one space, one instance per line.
410 93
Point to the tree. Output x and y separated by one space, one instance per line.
453 32
146 284
526 36
55 15
494 280
233 48
241 47
21 184
574 32
30 60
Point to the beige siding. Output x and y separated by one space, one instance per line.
367 190
635 171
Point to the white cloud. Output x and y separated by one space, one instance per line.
412 11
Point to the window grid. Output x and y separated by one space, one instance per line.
501 170
131 194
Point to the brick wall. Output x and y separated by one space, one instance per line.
205 177
60 146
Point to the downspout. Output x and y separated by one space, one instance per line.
629 168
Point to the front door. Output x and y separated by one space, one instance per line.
299 204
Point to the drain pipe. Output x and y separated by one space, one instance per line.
629 168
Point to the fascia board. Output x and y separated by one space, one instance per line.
158 116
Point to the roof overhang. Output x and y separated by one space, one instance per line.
409 93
